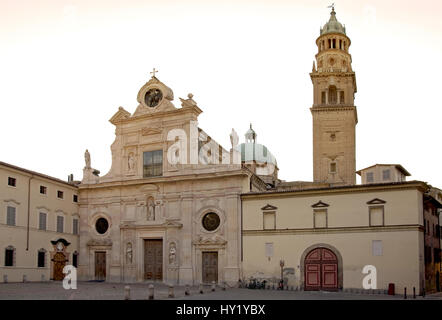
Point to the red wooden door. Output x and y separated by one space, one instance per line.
321 270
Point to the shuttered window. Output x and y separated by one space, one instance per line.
60 222
10 216
269 220
376 216
42 221
320 218
75 226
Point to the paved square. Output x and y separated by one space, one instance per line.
53 290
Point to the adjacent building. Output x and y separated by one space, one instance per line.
39 225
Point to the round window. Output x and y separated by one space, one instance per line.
101 225
211 221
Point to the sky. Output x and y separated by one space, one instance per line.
67 65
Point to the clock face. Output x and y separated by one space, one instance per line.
153 97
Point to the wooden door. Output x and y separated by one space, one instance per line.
210 267
100 265
153 259
59 261
321 270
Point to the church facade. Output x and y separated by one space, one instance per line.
169 208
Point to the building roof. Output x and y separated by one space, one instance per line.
333 25
36 174
349 188
397 166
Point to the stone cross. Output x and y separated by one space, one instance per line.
153 72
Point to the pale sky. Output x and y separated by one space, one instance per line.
66 67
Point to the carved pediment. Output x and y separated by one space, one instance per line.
376 201
320 204
119 116
269 207
215 240
99 242
150 131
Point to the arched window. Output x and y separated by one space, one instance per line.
332 95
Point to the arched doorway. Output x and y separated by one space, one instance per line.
321 270
59 263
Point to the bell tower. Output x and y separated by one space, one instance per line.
333 111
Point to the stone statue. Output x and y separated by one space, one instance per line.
172 253
131 162
150 210
87 159
129 253
234 138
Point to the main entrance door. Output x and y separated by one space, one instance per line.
59 263
153 259
210 267
321 270
100 265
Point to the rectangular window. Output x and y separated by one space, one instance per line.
320 218
75 260
41 259
369 177
323 101
60 222
376 216
377 247
42 221
333 167
269 249
153 163
385 175
269 220
12 182
75 198
43 190
60 194
10 216
75 226
9 257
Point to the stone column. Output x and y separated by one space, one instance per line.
185 247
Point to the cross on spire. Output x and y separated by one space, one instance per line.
332 6
153 72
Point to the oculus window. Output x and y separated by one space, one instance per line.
211 221
101 225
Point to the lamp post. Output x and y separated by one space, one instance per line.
281 283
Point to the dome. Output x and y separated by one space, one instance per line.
252 151
333 25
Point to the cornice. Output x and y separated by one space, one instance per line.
359 229
419 185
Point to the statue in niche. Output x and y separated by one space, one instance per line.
87 159
150 210
129 253
131 162
172 253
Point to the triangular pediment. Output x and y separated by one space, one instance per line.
320 204
269 207
376 201
119 116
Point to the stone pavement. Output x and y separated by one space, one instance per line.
53 290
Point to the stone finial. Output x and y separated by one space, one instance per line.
189 102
